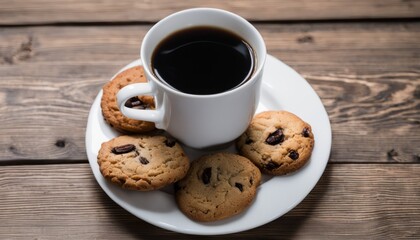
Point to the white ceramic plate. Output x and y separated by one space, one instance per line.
282 89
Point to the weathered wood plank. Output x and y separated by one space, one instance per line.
41 11
367 75
351 201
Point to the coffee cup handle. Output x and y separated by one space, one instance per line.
137 89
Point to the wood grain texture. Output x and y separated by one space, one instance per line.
367 75
41 11
351 201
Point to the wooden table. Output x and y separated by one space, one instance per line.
362 57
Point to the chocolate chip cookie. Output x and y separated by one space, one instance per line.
142 162
217 186
110 109
278 142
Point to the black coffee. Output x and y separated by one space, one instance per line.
203 60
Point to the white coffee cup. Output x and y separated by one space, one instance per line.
198 121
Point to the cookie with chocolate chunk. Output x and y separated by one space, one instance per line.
110 108
217 186
278 142
142 162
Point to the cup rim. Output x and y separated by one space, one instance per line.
251 80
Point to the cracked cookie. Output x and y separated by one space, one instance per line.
278 142
142 162
217 186
110 108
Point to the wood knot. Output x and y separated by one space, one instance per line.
416 93
305 39
24 52
60 143
392 154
